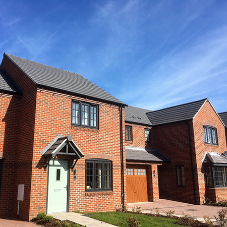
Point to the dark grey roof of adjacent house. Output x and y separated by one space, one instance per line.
50 77
163 116
7 84
136 115
223 116
177 113
215 158
144 154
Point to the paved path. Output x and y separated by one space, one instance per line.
16 223
179 208
81 219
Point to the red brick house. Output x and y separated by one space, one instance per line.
61 140
191 141
68 143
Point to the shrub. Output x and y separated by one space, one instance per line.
170 213
208 221
67 224
40 215
222 217
76 225
48 218
58 223
132 222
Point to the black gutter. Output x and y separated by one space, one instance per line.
122 160
191 159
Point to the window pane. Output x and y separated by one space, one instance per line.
205 134
220 176
93 116
98 175
89 175
180 176
75 113
147 135
209 135
107 175
209 178
84 120
128 133
129 171
58 174
214 138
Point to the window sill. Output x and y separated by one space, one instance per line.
211 144
85 127
224 187
95 193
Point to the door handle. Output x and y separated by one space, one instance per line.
135 192
66 187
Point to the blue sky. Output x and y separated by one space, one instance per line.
147 53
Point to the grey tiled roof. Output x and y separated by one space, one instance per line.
136 115
215 158
144 154
223 116
6 83
163 116
175 113
51 77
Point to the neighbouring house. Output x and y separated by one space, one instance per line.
60 139
184 153
66 144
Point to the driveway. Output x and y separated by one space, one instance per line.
179 208
16 223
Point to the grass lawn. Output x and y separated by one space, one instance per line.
144 220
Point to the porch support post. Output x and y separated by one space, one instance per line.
153 189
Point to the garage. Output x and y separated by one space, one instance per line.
136 179
142 174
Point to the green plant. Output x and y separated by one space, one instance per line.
222 217
124 208
131 221
48 218
67 224
208 221
57 223
40 215
76 225
157 213
138 210
170 213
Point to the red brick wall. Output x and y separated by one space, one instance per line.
207 116
138 136
53 117
9 107
24 145
172 140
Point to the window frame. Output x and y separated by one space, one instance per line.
80 119
208 135
98 161
181 177
130 127
148 139
213 180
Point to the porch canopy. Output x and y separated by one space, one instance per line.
62 147
215 159
144 155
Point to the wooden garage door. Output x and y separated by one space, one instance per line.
136 184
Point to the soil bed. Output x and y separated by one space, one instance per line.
54 223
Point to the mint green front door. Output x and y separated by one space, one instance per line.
57 198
